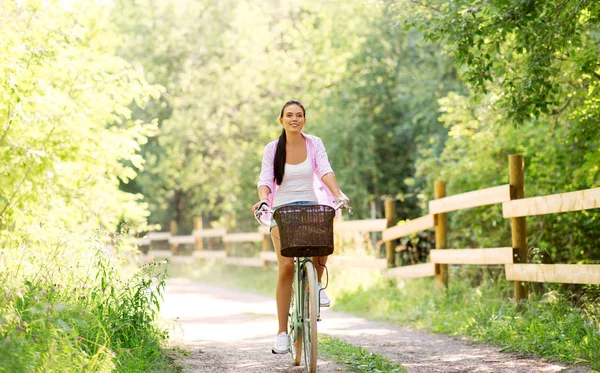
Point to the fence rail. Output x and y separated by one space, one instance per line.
514 258
500 255
482 197
409 227
551 204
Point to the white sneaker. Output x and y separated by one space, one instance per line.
323 298
282 344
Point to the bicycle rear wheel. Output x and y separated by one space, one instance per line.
310 308
295 332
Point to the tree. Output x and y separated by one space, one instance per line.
66 127
542 55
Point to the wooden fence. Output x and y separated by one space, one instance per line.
513 256
262 235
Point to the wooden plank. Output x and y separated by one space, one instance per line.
245 262
180 240
159 236
483 197
243 237
409 227
561 273
498 255
216 232
143 241
269 256
210 254
554 203
357 262
370 225
160 253
412 271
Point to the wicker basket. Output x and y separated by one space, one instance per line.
305 230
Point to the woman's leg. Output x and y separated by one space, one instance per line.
320 262
283 293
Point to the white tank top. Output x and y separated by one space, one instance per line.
297 184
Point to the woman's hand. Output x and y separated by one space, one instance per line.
258 204
342 198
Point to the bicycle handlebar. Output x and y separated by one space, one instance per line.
264 208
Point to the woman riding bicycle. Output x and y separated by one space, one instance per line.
295 170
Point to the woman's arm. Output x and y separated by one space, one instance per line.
331 182
263 193
266 175
325 172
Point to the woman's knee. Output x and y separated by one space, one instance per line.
286 266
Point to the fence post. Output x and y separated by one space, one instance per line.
516 165
173 233
337 244
390 215
373 234
227 230
198 228
265 248
441 234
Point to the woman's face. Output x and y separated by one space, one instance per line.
293 119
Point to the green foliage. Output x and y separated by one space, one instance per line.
67 141
539 61
475 156
66 126
225 86
79 313
540 53
356 359
477 304
387 114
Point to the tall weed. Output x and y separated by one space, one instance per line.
71 307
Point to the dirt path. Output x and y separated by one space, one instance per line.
231 331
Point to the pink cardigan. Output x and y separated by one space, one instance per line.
321 167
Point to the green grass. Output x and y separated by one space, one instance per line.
547 325
355 358
87 313
477 304
215 272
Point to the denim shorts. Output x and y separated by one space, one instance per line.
274 223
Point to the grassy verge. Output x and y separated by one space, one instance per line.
228 276
74 309
547 325
356 359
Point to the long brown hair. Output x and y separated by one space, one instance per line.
279 162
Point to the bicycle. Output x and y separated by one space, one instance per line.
305 231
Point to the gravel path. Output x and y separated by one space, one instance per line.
232 331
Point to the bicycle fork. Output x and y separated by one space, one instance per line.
300 271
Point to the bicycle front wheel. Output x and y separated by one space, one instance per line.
310 308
